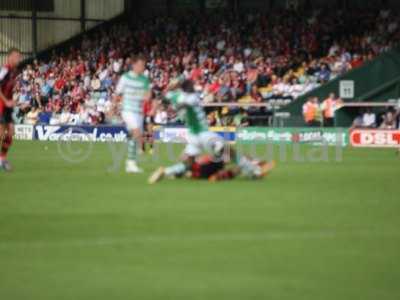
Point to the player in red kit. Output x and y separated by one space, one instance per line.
8 75
148 123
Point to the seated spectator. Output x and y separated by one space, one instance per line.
32 117
255 95
369 119
389 120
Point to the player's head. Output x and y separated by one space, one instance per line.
14 57
138 64
187 86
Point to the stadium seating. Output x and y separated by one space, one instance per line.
274 58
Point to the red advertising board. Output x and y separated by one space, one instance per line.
375 138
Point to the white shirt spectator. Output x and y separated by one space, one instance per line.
103 74
65 117
392 27
238 67
369 119
161 117
384 13
333 50
221 45
117 66
247 52
86 82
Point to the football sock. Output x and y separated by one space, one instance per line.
5 146
132 149
246 166
176 170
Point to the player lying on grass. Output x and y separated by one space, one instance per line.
200 140
206 167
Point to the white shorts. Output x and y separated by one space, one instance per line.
209 142
132 120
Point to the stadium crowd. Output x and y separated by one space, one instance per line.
247 58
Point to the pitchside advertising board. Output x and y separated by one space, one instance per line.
115 133
80 133
180 134
317 136
23 132
370 138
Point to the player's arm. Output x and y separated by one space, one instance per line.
119 90
186 100
117 98
7 102
173 85
224 174
147 94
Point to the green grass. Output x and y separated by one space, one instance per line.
309 231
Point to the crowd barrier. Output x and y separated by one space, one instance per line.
247 135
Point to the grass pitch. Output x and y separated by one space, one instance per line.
327 230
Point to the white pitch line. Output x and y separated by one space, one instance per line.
217 237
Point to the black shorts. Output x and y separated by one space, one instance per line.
6 116
204 171
147 121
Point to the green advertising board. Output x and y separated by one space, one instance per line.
313 136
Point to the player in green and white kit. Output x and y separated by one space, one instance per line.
133 88
200 139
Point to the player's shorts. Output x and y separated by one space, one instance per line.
5 114
148 120
132 121
204 142
205 170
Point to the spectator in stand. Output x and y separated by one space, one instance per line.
282 55
255 95
369 119
389 120
32 117
329 107
311 112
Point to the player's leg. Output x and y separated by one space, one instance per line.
133 124
174 171
223 175
148 135
144 135
266 167
192 149
246 165
2 135
7 133
196 144
2 123
213 144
